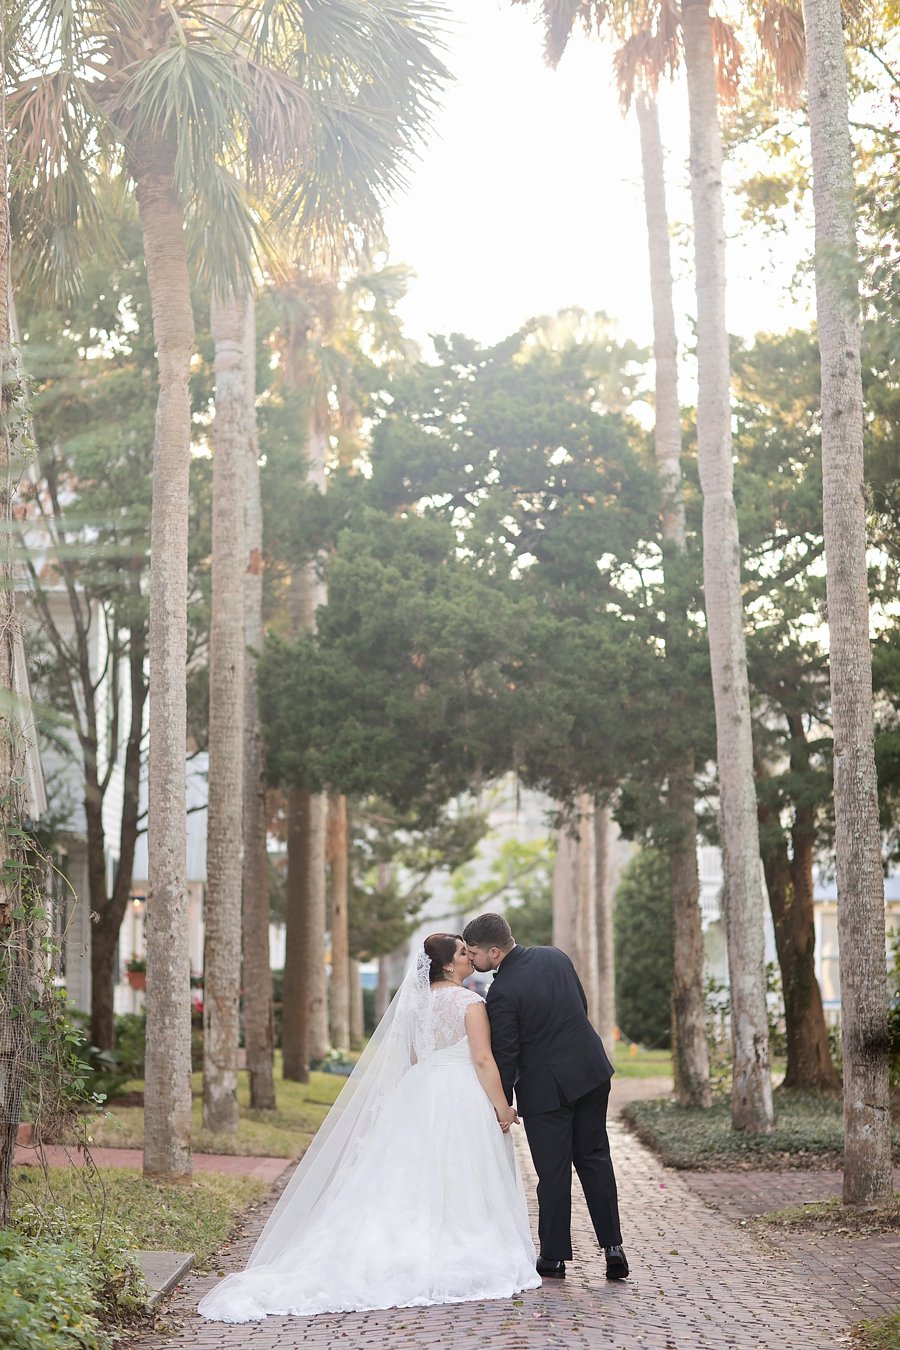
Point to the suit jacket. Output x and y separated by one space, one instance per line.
544 1045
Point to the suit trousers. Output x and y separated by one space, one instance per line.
574 1134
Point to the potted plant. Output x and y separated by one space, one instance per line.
136 972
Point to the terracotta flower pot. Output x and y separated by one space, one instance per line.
137 979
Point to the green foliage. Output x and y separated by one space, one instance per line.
47 1301
809 1132
488 608
111 1213
519 883
643 950
881 1333
108 1071
393 857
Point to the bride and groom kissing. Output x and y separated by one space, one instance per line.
410 1193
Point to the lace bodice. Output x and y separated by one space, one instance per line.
450 1003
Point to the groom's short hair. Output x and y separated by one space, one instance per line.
488 930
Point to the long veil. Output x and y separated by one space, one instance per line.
403 1037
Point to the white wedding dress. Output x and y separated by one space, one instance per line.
410 1197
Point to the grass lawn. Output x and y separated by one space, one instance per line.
149 1215
808 1132
633 1062
882 1334
283 1133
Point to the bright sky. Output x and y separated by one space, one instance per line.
528 196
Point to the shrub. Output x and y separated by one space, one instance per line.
46 1299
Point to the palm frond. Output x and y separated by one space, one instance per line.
278 124
561 18
729 58
648 53
226 238
782 40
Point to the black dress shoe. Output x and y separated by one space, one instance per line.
551 1270
616 1265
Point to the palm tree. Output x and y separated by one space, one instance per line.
751 1101
259 1012
867 1115
691 1052
222 943
166 94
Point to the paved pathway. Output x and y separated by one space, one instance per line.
858 1277
230 1164
700 1282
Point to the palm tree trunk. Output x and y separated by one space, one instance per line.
751 1102
294 1004
13 969
861 925
222 947
357 1017
315 924
307 900
691 1052
167 1114
259 1012
606 970
340 949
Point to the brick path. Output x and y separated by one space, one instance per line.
859 1277
229 1164
700 1282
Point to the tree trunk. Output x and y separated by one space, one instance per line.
357 1015
565 892
383 988
307 897
860 884
340 949
586 904
789 882
606 970
690 1049
751 1103
315 917
227 646
12 985
294 1005
259 1013
167 1114
690 1056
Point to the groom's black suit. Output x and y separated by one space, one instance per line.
547 1050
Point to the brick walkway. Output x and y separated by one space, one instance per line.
859 1277
700 1282
229 1164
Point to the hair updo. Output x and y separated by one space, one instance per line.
440 948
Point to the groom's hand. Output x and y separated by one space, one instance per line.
508 1116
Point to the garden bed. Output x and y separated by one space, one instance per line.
809 1132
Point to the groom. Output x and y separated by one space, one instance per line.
547 1050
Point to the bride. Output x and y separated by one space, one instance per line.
410 1194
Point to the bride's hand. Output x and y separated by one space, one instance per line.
507 1117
